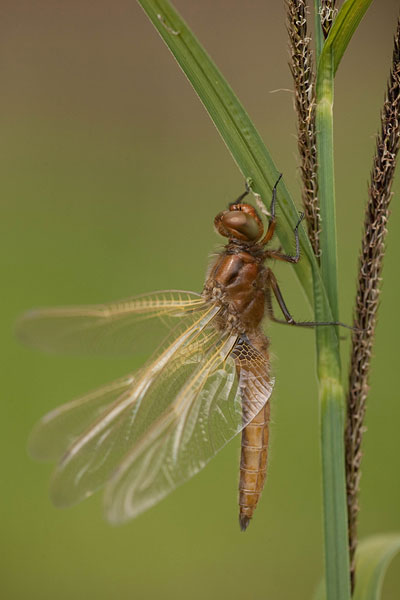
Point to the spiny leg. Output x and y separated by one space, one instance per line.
272 219
278 295
272 283
288 257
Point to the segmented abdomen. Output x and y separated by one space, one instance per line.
253 464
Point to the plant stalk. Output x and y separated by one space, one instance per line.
332 415
326 182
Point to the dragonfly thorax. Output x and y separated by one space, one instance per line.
236 281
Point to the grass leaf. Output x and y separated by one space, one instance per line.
372 560
343 28
234 126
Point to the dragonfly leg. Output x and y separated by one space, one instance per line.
245 193
272 218
272 284
269 307
277 254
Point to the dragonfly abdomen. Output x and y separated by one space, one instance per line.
253 465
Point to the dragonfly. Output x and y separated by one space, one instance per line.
145 434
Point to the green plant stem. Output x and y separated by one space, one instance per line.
337 564
326 181
334 489
331 395
331 401
329 54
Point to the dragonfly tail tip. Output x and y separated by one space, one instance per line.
244 521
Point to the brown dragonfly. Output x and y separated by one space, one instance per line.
145 434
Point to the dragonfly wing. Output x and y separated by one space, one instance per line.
205 406
126 327
253 369
92 434
147 433
61 427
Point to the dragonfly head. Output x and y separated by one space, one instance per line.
240 222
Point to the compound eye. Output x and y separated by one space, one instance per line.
241 225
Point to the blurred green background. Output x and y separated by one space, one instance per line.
111 175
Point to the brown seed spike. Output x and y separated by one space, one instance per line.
328 14
302 69
369 278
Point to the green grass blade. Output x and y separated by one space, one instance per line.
346 22
233 124
373 558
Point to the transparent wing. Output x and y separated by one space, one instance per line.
91 434
60 428
146 434
210 406
125 327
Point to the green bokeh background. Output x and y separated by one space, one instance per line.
111 175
